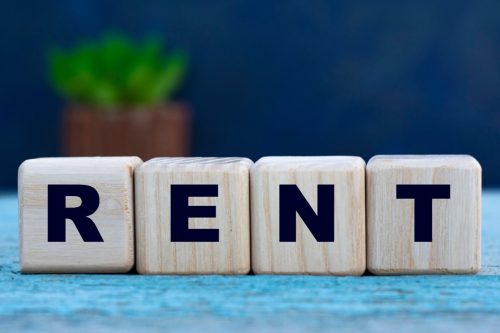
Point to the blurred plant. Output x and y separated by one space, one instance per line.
115 72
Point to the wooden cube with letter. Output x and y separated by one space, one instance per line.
193 216
424 214
308 215
76 214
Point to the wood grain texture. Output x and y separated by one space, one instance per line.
156 254
112 177
134 303
347 254
456 230
163 130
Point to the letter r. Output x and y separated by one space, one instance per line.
58 212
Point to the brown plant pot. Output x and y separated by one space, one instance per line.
160 131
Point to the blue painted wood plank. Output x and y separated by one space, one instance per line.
131 303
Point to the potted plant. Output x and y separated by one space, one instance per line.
119 96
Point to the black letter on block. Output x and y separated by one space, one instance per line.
423 195
321 225
180 212
58 212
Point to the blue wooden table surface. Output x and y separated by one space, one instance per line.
131 303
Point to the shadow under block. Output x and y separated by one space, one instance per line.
346 255
455 234
157 250
112 179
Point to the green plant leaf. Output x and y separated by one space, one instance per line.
114 72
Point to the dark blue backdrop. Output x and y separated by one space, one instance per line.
282 77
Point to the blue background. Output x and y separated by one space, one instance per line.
281 77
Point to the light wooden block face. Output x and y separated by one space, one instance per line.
157 250
346 255
455 242
112 179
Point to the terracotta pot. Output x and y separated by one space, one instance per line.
147 133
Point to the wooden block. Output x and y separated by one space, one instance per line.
63 239
175 237
430 229
278 186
